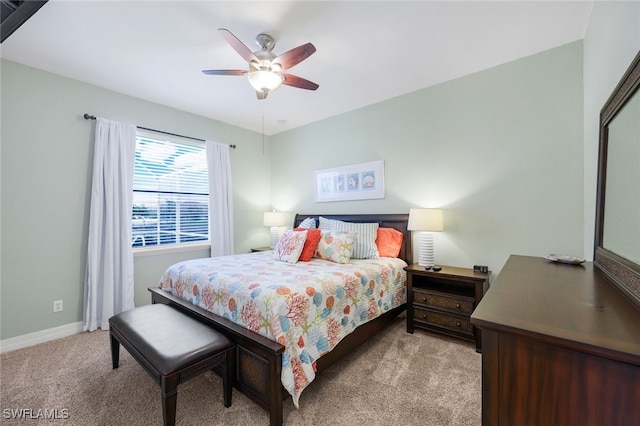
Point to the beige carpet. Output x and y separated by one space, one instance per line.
396 378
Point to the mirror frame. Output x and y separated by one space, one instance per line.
622 272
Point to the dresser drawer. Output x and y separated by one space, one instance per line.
451 322
452 303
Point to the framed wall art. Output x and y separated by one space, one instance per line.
362 181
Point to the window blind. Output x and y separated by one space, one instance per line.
170 192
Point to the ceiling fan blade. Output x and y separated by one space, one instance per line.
224 72
294 56
261 95
238 46
299 82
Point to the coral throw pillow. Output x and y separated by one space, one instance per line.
310 244
336 246
290 246
389 242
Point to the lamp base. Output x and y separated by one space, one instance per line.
274 237
425 250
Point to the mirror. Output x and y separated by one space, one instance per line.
617 239
621 232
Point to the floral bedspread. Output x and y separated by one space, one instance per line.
308 307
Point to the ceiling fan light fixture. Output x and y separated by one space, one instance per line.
266 70
264 81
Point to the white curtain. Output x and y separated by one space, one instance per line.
220 199
108 286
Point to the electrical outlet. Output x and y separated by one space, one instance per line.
57 306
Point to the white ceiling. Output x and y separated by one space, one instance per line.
367 51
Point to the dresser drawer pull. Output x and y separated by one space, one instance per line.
424 299
458 324
457 306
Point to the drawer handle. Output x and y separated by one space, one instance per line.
457 306
424 299
458 324
424 316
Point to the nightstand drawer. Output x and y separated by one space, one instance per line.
458 304
462 325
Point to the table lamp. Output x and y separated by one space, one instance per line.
425 221
274 220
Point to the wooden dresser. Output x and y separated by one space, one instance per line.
560 346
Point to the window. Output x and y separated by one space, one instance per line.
170 192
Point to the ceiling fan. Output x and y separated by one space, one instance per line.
265 71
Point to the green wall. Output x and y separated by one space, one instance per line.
508 153
46 163
500 151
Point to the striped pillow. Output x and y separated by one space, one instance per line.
308 223
365 245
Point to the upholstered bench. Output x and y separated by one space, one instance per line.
173 348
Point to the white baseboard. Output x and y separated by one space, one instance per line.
26 340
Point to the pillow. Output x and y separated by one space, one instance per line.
324 223
365 245
308 223
290 246
310 244
336 246
389 242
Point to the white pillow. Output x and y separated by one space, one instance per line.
324 223
308 223
290 246
365 245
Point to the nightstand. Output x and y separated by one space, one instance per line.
443 301
253 250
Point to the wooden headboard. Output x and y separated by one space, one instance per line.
396 221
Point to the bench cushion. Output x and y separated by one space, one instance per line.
167 338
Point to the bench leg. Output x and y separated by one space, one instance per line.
228 376
169 393
115 351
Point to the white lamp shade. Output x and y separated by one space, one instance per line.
425 220
273 219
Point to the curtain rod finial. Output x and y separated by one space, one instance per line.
88 117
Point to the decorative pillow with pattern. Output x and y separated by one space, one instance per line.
290 246
336 246
365 245
308 223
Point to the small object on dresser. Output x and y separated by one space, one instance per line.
561 258
436 268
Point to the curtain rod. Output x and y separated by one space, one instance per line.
92 117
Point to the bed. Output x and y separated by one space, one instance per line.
273 359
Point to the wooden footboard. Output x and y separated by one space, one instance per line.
259 360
